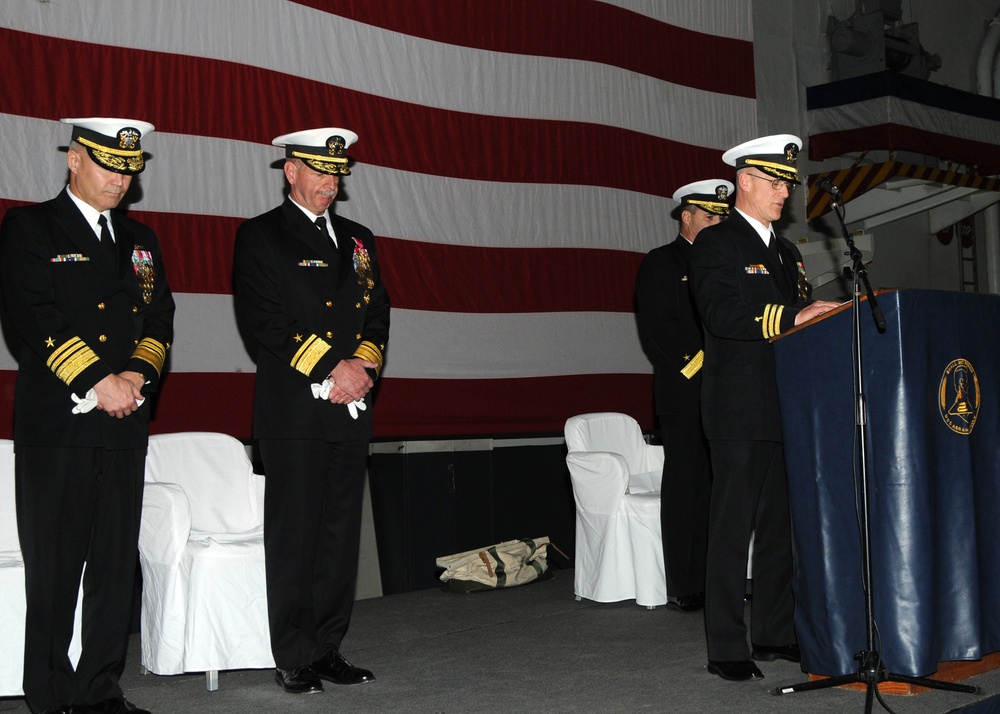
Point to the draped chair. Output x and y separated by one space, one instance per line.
616 485
201 547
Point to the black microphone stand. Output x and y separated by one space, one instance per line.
870 671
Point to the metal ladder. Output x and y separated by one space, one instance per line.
965 233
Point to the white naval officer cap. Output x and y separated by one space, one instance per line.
711 195
322 149
112 143
775 155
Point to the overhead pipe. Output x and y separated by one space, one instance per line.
985 65
988 84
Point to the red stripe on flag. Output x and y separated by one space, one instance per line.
449 278
191 95
197 250
8 378
188 401
467 407
205 401
198 255
572 29
404 408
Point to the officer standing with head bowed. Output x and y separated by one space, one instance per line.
672 331
86 291
309 290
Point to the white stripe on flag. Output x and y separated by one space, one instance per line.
283 37
395 204
713 17
430 344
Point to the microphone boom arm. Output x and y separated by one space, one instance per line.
857 264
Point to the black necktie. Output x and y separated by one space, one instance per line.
321 225
107 242
773 247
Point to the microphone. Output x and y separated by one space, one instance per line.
827 186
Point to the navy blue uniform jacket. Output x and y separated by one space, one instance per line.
80 318
745 296
670 328
309 305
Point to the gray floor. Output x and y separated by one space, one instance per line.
532 648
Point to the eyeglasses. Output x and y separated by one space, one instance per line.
777 183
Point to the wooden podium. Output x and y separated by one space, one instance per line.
932 383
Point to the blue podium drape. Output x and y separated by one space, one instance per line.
932 385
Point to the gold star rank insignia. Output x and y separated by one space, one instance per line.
49 342
298 338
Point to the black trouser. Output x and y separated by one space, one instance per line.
749 494
77 505
686 489
312 528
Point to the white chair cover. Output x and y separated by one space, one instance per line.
616 485
201 546
12 605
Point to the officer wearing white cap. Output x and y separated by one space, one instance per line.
749 285
308 289
86 291
672 335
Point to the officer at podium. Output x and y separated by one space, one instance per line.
749 285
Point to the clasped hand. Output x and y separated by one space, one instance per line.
350 381
119 394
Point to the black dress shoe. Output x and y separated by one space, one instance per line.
687 603
763 653
736 670
334 668
119 705
300 680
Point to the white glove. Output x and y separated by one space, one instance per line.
354 407
322 391
89 402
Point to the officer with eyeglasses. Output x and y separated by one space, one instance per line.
749 285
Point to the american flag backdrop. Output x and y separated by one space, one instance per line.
515 160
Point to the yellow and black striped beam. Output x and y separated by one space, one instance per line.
859 179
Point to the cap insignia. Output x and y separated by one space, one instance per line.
791 153
722 192
335 145
128 138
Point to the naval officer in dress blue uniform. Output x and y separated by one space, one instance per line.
309 290
749 285
86 291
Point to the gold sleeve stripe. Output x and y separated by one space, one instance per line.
771 324
70 359
152 351
367 350
311 351
692 367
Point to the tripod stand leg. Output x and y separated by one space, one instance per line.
860 677
931 683
817 684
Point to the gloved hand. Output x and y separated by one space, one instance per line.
322 391
89 402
